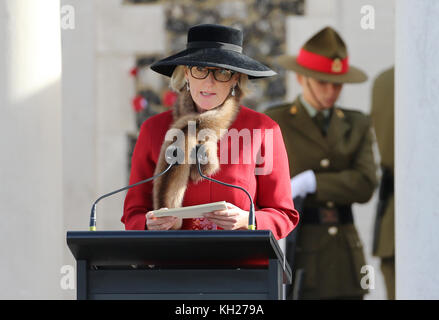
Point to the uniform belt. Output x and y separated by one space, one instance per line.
323 216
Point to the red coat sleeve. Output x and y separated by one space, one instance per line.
273 194
138 200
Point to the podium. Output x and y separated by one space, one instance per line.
179 265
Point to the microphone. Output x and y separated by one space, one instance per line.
173 155
200 156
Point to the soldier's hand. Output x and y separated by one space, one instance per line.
303 184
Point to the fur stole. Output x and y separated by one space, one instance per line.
169 189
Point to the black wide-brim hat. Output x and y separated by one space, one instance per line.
210 45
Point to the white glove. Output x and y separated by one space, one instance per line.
303 183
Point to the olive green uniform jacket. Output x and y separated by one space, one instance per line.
382 115
343 162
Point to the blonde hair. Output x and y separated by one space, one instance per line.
178 81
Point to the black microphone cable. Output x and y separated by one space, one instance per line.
200 156
173 157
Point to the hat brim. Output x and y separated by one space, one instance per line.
213 57
354 75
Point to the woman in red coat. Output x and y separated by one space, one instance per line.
243 147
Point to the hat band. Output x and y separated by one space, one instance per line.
213 44
320 63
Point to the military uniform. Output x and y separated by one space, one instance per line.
328 247
382 115
330 253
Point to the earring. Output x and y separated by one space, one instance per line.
233 91
187 86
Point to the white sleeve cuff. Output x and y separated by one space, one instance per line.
311 181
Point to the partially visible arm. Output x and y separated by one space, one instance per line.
138 200
356 184
273 195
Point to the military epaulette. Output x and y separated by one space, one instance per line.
349 111
277 106
352 116
343 113
276 111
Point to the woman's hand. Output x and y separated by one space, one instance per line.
162 223
233 218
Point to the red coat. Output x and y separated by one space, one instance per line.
274 208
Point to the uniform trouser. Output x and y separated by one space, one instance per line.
388 270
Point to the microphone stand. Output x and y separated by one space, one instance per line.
251 216
171 153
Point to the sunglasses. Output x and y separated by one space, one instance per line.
221 75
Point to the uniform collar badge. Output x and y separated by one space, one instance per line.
293 110
339 113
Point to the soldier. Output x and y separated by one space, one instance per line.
383 121
332 166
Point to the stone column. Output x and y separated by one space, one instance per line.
78 119
417 149
31 238
122 32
